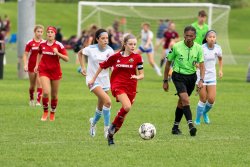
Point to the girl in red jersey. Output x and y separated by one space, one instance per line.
48 66
123 79
31 49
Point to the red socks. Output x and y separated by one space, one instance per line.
53 104
45 104
31 91
39 92
119 119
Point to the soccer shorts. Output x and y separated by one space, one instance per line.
149 50
119 91
184 83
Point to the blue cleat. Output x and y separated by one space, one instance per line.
206 118
79 69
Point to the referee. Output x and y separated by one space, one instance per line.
187 55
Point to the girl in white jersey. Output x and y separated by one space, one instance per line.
97 53
147 46
207 93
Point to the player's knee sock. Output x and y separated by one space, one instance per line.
188 115
208 107
106 115
97 116
199 110
39 94
45 104
178 116
53 105
119 119
157 69
31 92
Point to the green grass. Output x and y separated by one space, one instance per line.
26 141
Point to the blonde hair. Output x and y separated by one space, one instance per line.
125 40
38 26
145 24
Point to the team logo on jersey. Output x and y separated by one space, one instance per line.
33 44
131 60
43 47
118 61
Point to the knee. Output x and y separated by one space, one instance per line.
53 96
107 102
211 100
127 108
45 94
185 102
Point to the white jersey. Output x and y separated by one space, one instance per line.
144 38
96 56
210 57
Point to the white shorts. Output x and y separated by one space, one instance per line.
207 82
103 82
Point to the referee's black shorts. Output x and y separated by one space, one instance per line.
184 83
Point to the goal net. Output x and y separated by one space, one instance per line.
132 15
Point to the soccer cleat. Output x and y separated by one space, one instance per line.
206 118
176 131
32 103
106 128
92 129
38 104
192 131
197 121
110 139
52 116
44 116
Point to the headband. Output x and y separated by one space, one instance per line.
52 29
210 31
103 33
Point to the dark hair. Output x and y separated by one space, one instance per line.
202 13
98 34
125 40
189 28
205 38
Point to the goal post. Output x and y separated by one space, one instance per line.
103 15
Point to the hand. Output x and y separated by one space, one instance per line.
91 83
165 86
134 77
83 72
220 74
200 85
55 51
25 68
36 69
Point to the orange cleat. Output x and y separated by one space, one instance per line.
45 116
52 116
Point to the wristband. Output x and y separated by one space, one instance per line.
165 80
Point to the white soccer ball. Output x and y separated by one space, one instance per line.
147 131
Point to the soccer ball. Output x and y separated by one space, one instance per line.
147 131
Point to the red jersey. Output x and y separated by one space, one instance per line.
123 68
32 48
50 64
168 36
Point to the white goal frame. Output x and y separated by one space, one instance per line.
210 7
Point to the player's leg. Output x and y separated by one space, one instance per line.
119 119
54 98
151 61
103 106
39 90
201 104
178 117
45 81
211 93
32 79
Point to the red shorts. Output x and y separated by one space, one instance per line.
118 91
51 75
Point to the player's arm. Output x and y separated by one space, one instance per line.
220 67
149 40
38 59
166 72
61 55
25 57
81 58
92 81
202 74
140 72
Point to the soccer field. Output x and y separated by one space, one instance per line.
27 141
